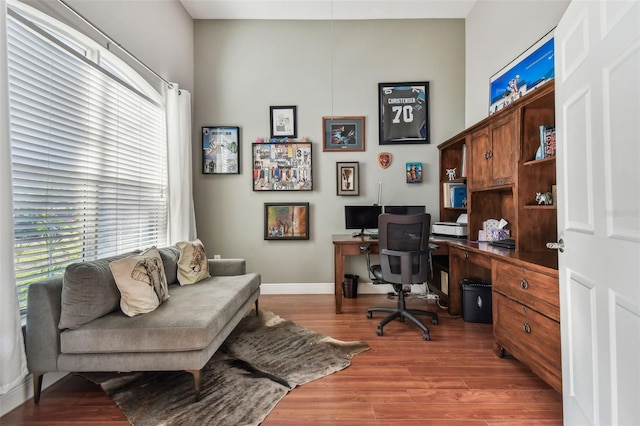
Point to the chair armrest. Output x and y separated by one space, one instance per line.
227 267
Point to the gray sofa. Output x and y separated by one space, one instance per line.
74 323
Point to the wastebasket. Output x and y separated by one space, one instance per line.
350 286
476 301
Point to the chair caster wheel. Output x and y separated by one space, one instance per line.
379 331
434 321
426 336
369 315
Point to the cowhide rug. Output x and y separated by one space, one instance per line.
259 363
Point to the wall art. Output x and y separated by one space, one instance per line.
282 166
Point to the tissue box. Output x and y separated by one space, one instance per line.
496 234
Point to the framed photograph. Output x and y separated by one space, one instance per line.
286 221
528 71
348 178
282 166
343 133
403 113
414 172
283 121
220 150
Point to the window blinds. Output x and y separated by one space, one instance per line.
89 160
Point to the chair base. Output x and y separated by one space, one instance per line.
401 312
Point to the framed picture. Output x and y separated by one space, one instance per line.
286 221
348 178
414 172
403 113
283 121
220 150
529 70
282 166
343 133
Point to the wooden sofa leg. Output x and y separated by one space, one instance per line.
37 386
257 312
196 382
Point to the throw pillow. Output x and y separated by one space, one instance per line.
141 281
193 265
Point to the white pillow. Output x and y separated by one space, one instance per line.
193 265
141 281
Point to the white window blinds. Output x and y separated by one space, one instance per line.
88 155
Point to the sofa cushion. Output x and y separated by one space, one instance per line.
88 292
141 281
192 265
170 256
189 320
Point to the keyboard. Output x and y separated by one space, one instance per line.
508 243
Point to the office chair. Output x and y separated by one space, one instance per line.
405 259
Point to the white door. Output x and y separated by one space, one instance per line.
598 158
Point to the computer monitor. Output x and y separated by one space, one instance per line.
361 217
405 209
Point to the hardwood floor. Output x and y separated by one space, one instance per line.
453 379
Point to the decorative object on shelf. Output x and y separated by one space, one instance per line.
282 166
384 159
283 122
286 221
348 178
343 133
220 150
403 113
544 198
451 173
528 71
547 141
414 172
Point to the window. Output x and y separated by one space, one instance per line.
89 156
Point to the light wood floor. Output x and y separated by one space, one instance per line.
453 379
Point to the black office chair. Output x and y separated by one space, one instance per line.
405 259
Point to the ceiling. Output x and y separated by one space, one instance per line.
327 9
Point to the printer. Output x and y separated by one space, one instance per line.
451 229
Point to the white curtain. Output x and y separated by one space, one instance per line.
182 218
13 362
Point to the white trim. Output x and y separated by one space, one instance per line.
24 391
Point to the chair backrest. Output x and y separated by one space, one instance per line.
404 247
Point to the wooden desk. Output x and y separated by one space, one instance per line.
347 245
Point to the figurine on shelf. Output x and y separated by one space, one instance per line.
544 198
451 173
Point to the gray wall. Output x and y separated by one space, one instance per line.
496 33
324 68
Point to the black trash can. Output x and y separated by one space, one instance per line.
476 301
350 286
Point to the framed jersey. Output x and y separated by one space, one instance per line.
403 113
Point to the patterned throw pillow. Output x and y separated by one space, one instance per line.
193 264
141 281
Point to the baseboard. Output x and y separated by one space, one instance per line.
24 391
318 288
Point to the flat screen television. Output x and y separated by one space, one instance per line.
405 209
361 217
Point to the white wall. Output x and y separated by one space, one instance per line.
496 33
243 67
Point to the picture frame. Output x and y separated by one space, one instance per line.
283 121
343 134
348 178
221 150
286 221
414 172
532 68
403 113
282 166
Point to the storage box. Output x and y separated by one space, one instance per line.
476 301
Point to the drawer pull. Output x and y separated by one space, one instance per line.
526 327
524 284
466 254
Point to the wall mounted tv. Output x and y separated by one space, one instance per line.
361 217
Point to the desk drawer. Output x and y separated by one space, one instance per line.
534 289
532 338
479 259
